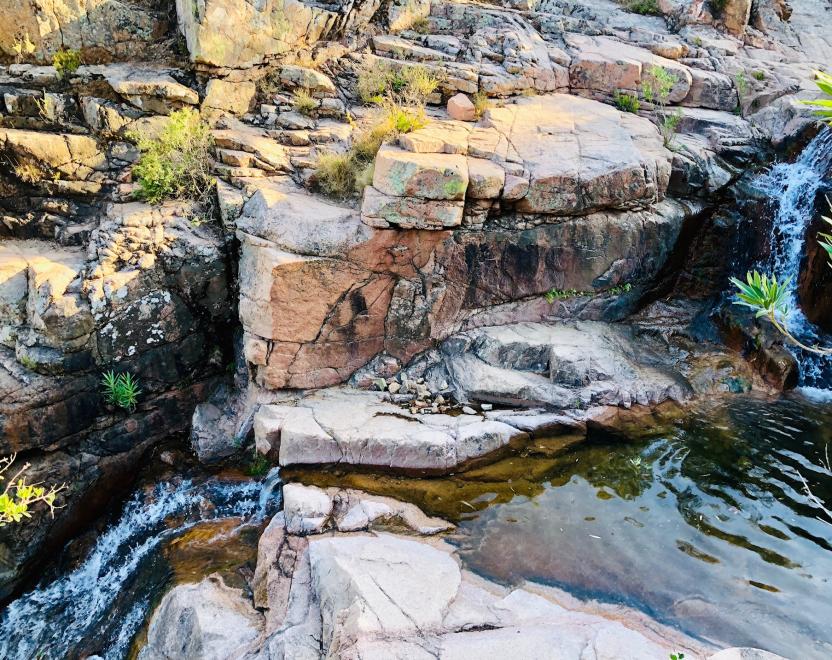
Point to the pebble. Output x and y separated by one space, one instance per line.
487 406
393 387
468 410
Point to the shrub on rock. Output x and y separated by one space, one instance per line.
176 165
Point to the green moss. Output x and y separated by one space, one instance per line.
454 188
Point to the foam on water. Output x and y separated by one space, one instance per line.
53 619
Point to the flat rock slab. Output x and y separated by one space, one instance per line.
582 155
604 65
564 365
206 620
365 428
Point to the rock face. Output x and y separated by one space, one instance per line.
95 281
556 379
568 156
226 33
564 366
100 28
367 290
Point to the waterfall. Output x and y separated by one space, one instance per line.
86 604
792 189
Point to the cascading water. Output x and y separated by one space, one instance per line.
793 188
55 620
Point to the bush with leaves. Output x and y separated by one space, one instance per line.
304 103
19 496
409 85
768 298
643 7
823 107
176 164
626 102
66 62
655 89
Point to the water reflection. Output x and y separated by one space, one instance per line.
706 526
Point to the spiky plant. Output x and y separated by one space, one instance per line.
121 390
768 297
825 240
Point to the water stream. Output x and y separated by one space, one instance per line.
792 189
100 606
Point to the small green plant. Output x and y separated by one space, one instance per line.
419 83
177 164
335 174
407 85
626 102
66 62
421 25
304 103
655 89
481 104
19 496
258 466
28 172
121 390
341 174
768 298
697 41
825 240
823 107
621 288
562 294
759 75
643 7
668 125
677 656
741 83
658 84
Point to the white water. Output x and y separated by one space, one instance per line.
52 620
793 188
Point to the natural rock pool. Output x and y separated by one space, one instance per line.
703 524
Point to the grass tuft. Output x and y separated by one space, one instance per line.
304 103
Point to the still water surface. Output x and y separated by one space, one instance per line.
705 525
